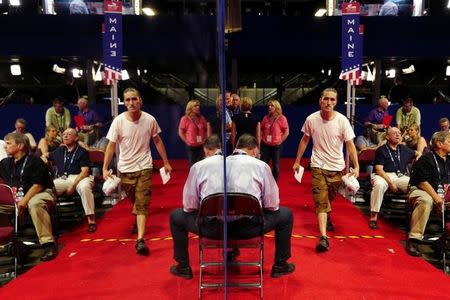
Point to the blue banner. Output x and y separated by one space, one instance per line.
112 40
351 41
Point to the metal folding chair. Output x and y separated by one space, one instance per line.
7 198
240 206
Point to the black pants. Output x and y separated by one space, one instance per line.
195 154
272 153
181 223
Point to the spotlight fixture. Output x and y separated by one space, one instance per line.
149 11
58 69
97 75
320 12
409 70
125 75
14 2
16 70
447 71
390 73
77 73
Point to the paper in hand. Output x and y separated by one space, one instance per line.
164 175
299 174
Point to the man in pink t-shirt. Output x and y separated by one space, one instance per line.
132 131
329 130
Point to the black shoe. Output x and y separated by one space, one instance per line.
330 226
323 244
232 254
92 228
134 229
278 271
412 247
141 248
184 272
373 224
50 252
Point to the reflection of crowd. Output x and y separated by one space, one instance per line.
398 150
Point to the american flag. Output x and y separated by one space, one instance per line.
109 75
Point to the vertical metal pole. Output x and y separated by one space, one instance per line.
114 113
349 100
222 85
352 116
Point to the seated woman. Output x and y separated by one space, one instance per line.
414 141
49 143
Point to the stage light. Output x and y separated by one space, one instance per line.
390 73
77 73
409 70
125 75
58 69
138 72
15 70
97 75
448 4
447 71
329 72
149 11
14 2
320 12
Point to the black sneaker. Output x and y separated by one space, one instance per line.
184 272
278 271
50 251
412 247
330 226
141 247
323 244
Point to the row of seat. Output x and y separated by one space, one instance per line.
64 209
397 205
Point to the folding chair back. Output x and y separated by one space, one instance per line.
10 233
240 207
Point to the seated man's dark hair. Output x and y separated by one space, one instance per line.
212 142
246 141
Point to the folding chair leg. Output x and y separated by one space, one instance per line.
444 235
200 274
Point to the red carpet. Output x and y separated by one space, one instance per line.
358 266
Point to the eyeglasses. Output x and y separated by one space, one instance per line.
131 99
328 99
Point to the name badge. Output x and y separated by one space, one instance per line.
269 138
199 138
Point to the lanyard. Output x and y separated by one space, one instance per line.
21 171
60 119
71 160
197 125
271 125
439 169
392 158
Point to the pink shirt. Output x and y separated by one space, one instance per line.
195 131
272 130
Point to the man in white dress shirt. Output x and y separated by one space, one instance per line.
245 174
